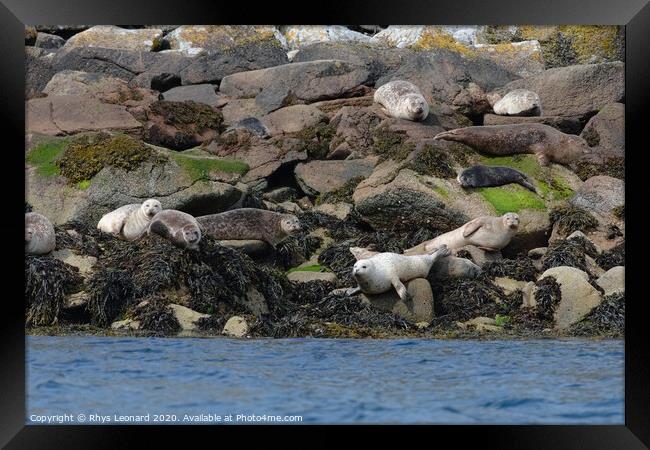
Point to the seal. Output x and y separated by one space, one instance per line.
253 125
444 268
402 100
484 176
40 237
130 222
486 232
250 223
180 228
377 274
544 141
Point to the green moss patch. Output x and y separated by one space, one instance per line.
200 168
45 155
86 155
512 198
83 185
311 268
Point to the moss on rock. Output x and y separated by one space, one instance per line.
430 160
511 198
316 139
45 155
389 144
198 168
85 156
188 115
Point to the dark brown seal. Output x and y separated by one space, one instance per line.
547 143
250 223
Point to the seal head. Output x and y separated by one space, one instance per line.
290 224
192 235
511 221
416 106
151 207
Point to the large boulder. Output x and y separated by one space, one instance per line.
569 125
354 131
38 70
600 196
192 181
418 308
521 58
200 93
317 177
293 119
580 90
70 114
103 87
612 281
221 38
578 297
298 36
296 83
49 41
605 131
110 36
181 125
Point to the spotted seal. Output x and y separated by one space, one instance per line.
130 222
403 100
250 223
486 232
180 228
547 143
484 176
377 274
40 237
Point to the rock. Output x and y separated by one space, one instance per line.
293 119
165 81
181 125
427 36
471 101
49 41
106 88
306 276
578 296
296 83
537 253
62 30
305 203
200 93
281 194
599 195
69 114
509 286
303 35
605 132
239 109
612 281
109 36
339 210
187 318
573 91
569 125
38 70
30 35
221 38
289 207
174 182
480 324
521 58
534 231
354 131
126 324
254 302
236 327
479 256
214 66
317 177
419 308
84 263
519 102
77 300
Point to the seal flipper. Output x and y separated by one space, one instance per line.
472 226
400 288
525 182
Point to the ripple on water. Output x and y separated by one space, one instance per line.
332 381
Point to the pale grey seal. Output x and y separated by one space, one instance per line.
40 237
180 228
403 100
130 222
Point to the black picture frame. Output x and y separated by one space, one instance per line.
634 14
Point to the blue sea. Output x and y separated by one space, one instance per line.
114 380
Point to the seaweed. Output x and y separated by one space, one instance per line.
316 139
111 292
28 208
565 252
85 156
613 167
521 269
342 194
547 296
570 218
47 281
461 299
297 247
612 258
156 316
430 160
608 318
390 144
188 114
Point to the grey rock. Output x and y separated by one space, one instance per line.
419 308
200 93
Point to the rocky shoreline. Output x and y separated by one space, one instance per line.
209 119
